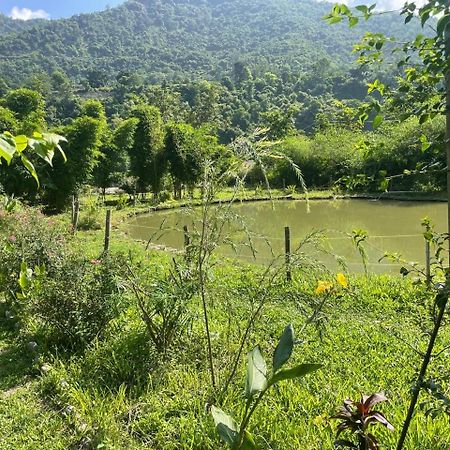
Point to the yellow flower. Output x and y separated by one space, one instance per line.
323 286
340 278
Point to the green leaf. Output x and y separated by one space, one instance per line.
7 147
256 380
442 24
335 19
404 271
377 121
425 143
21 143
43 150
284 348
424 118
248 442
352 21
296 372
409 18
226 427
362 8
29 166
25 276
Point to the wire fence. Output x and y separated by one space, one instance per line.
260 256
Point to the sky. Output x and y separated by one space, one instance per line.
51 9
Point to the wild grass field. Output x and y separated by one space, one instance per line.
70 389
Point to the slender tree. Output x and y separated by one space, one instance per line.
147 162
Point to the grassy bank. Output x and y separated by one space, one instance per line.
119 393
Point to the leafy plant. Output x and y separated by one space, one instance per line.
76 303
257 383
40 144
30 239
90 215
164 304
291 189
359 239
356 417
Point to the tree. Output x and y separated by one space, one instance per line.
28 107
147 161
7 121
280 123
185 149
114 160
82 149
241 72
97 78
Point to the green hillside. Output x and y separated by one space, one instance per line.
182 39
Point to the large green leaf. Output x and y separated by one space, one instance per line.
442 24
21 143
29 166
256 380
44 145
284 348
43 150
226 426
296 372
377 121
55 141
7 147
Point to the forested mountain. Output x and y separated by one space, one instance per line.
182 39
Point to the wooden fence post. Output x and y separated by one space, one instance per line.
187 239
76 215
72 218
107 231
287 251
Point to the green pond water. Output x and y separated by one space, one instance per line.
392 226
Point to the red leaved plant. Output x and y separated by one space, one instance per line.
356 417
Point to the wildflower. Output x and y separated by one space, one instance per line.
323 286
342 280
12 238
96 262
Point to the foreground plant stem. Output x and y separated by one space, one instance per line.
202 255
423 371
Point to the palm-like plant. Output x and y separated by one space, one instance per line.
356 417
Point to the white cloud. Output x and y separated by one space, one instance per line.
27 14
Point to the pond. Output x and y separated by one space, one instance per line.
392 226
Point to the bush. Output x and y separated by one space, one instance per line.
90 217
396 148
164 303
27 236
322 160
77 303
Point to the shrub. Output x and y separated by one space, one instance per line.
164 303
90 216
29 237
78 301
322 160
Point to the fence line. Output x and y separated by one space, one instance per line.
273 238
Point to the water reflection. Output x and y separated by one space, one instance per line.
392 226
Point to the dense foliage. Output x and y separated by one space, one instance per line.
178 40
